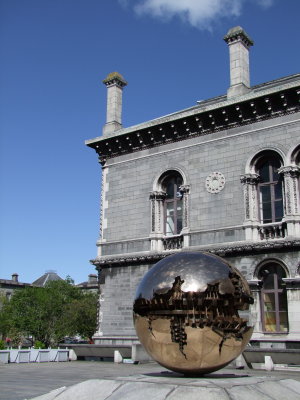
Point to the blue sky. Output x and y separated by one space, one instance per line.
54 56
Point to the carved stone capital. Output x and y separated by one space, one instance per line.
292 170
250 179
184 189
157 195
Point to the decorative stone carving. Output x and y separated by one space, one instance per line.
215 182
99 312
291 185
157 198
249 182
185 190
232 249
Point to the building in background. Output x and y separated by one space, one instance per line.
49 276
90 286
221 177
8 286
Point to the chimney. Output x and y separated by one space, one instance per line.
239 43
114 83
93 278
15 277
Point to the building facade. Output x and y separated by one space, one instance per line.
221 177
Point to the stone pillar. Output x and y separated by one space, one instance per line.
293 299
99 332
249 182
185 191
255 308
103 209
114 83
157 219
292 201
239 43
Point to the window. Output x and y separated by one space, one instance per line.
273 298
169 212
270 190
172 204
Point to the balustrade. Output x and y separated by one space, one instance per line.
173 242
276 230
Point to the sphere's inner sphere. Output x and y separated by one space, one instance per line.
191 300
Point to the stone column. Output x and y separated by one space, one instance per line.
249 182
255 308
103 208
239 43
185 191
291 176
157 219
99 332
114 83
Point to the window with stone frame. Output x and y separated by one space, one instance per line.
264 197
273 298
270 190
173 204
297 162
169 212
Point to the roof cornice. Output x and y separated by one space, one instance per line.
266 101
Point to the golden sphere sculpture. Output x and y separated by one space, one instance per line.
189 313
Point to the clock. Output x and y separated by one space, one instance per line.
215 182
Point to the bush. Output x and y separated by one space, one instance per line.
2 345
39 345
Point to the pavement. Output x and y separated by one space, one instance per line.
92 380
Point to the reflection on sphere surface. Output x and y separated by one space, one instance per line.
187 312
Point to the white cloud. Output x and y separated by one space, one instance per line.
198 13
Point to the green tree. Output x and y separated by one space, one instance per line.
50 313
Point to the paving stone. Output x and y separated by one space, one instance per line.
277 391
138 391
92 389
51 395
291 384
247 393
192 393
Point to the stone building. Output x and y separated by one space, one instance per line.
8 286
91 285
221 176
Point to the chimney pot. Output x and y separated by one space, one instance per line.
15 277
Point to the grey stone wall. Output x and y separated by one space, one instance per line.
118 293
215 218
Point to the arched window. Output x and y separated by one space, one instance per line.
169 212
270 189
263 197
273 298
173 204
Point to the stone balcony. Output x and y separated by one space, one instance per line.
173 242
274 230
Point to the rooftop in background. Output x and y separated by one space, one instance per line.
92 283
49 276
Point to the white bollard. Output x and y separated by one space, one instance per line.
118 357
269 365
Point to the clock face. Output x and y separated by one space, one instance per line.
215 182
